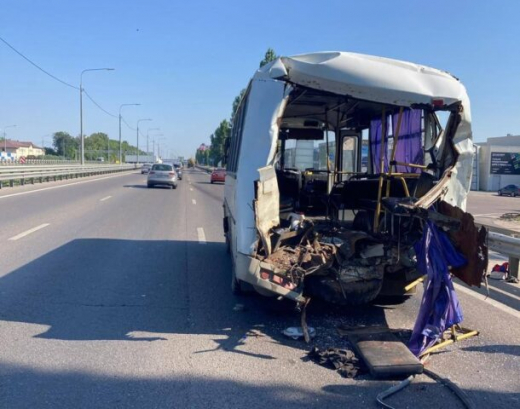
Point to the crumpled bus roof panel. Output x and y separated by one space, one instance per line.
367 77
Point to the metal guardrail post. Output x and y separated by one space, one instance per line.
513 266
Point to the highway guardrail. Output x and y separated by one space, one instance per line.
507 245
20 175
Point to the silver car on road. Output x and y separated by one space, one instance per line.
162 174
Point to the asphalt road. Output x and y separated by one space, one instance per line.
109 299
488 207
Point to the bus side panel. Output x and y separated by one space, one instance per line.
266 103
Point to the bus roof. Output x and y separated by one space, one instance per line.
368 78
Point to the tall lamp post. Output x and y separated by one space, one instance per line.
140 120
81 109
120 145
159 146
5 138
153 142
148 138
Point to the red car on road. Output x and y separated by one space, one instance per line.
218 175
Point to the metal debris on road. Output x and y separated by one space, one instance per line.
344 361
297 332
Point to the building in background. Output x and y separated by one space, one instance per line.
499 162
14 150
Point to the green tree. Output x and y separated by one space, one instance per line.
96 146
236 103
269 56
65 145
50 152
218 140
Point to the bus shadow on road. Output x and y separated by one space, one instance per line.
149 290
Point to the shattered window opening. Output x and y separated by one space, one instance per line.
325 244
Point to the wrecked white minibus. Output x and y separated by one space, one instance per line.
334 163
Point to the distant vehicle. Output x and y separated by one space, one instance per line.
178 169
141 159
510 190
162 174
145 168
218 175
100 159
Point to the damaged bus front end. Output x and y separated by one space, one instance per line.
335 162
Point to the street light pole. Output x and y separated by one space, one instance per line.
120 146
148 138
5 138
153 142
81 109
140 120
159 146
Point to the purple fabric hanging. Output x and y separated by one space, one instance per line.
375 145
409 142
440 307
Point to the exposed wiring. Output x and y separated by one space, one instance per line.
446 382
99 106
37 66
55 78
126 123
390 391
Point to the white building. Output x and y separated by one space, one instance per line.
14 150
499 162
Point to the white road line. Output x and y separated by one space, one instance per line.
201 235
193 201
191 189
60 186
488 300
27 232
488 214
105 198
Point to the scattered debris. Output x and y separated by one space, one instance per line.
382 351
297 332
470 242
440 309
344 361
499 271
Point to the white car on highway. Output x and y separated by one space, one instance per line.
162 174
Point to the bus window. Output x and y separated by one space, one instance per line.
349 154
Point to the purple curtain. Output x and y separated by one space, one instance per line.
440 307
409 142
375 137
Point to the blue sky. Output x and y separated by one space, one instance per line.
186 61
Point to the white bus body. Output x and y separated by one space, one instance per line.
337 95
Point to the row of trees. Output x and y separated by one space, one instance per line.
96 145
215 155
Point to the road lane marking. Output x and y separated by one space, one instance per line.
60 186
201 235
488 300
27 232
191 189
193 201
488 214
105 198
